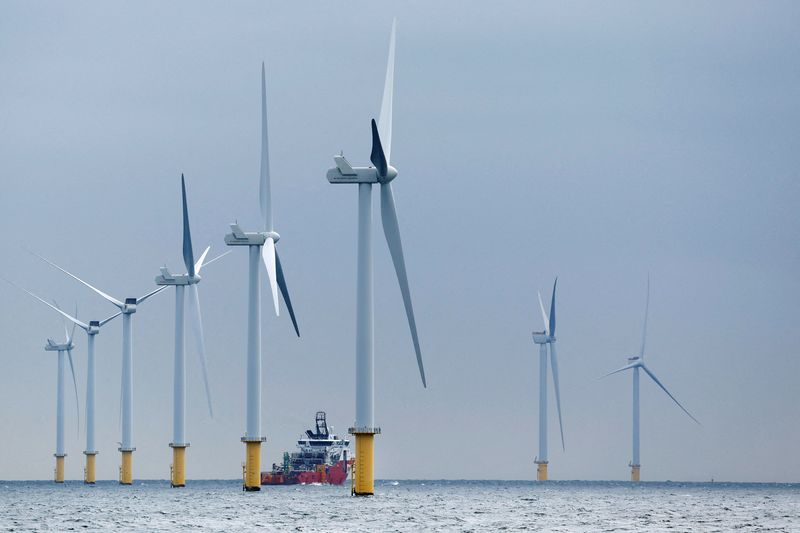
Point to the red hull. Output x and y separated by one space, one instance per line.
333 475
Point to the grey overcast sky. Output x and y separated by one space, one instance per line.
596 142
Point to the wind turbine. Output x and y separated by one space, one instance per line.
261 246
636 362
91 329
127 308
61 348
544 339
382 173
181 282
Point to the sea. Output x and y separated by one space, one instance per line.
401 506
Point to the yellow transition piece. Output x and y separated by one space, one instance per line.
541 471
252 468
126 470
89 471
365 468
635 472
178 475
59 469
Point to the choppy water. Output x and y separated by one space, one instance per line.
402 506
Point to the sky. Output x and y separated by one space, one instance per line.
600 143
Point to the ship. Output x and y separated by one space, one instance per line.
322 458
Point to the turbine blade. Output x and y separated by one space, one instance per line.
544 315
109 319
617 371
554 365
75 384
646 309
654 378
220 256
141 300
95 289
268 255
197 326
188 254
48 304
285 291
378 156
199 264
385 118
63 322
72 333
264 186
553 310
391 230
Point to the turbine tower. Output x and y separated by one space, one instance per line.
127 309
91 329
382 173
181 282
544 339
636 362
61 348
261 246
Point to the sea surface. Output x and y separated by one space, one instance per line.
401 506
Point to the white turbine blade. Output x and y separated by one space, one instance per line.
63 322
188 253
654 378
617 371
646 309
391 230
220 256
109 319
554 365
544 314
199 264
75 383
268 255
72 333
197 326
141 300
48 304
264 186
70 274
385 118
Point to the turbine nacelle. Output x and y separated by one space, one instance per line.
94 327
237 236
345 173
541 337
634 358
53 346
167 278
129 307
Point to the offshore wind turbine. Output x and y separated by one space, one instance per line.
182 282
544 339
127 309
261 247
383 173
62 348
636 363
91 329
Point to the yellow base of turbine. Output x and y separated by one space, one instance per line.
126 469
89 470
252 465
541 471
635 473
364 473
177 477
59 475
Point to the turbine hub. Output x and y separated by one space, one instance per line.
274 235
391 173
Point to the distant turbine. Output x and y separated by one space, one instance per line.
91 329
637 362
190 279
128 308
382 173
67 347
544 339
261 246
